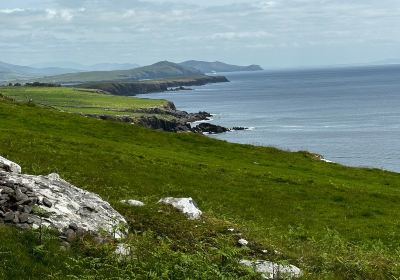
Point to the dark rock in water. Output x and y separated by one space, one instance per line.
179 88
209 128
47 202
239 128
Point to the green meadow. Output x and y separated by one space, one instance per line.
332 221
74 100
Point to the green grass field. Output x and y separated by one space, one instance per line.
79 100
332 221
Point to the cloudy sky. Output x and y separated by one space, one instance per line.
273 33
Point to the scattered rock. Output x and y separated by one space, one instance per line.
270 270
133 202
243 242
9 166
122 250
186 205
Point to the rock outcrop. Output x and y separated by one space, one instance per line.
142 87
30 201
9 166
132 202
185 205
209 128
270 270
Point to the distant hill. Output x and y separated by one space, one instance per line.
159 70
9 72
217 66
81 67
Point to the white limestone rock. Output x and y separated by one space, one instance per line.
243 242
70 205
271 270
185 205
133 202
9 166
122 250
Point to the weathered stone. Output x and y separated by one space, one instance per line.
270 270
27 209
9 216
132 202
47 202
23 217
16 217
9 166
73 226
70 235
122 250
243 242
19 195
23 226
63 204
186 205
7 190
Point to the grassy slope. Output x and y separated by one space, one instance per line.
79 101
334 221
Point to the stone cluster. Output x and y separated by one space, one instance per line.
17 204
30 201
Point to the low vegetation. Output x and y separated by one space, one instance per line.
333 222
84 101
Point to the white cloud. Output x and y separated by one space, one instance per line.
11 11
241 35
66 15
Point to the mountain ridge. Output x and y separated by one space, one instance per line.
218 66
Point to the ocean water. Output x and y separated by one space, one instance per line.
348 115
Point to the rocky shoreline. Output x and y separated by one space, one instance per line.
144 87
168 118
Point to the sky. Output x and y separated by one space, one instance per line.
272 33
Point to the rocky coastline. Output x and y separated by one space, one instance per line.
168 118
151 86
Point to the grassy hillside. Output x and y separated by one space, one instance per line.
332 221
163 69
79 100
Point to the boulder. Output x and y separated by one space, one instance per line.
271 270
132 202
53 202
185 205
243 242
9 166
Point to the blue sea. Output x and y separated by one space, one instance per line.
349 115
